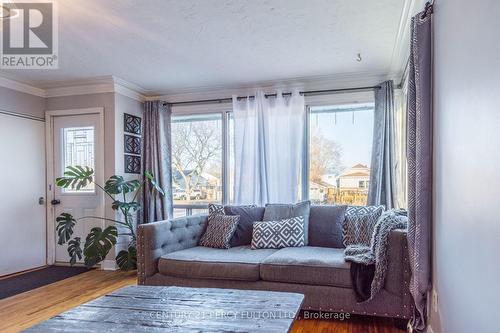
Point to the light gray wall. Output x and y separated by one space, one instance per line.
124 104
15 101
467 166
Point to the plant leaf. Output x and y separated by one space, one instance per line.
127 259
153 182
76 177
74 250
98 244
116 185
65 224
133 206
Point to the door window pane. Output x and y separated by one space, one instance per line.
78 150
197 159
340 146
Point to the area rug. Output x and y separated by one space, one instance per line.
35 279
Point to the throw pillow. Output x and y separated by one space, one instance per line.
220 229
358 210
278 234
325 225
248 215
214 210
358 228
277 212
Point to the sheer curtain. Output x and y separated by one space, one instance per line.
269 134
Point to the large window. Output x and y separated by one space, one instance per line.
197 155
339 148
340 144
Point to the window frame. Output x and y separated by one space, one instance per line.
225 109
222 109
350 98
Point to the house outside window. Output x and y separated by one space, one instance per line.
340 144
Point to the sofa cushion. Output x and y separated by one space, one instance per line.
237 263
307 265
248 215
277 212
325 225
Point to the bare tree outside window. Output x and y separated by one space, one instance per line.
326 156
197 159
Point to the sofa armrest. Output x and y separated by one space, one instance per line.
398 271
159 238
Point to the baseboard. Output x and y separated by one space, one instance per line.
109 265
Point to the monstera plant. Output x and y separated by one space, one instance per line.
100 241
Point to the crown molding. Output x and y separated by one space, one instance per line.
401 50
12 84
338 81
98 85
85 89
113 84
129 89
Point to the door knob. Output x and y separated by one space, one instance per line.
55 202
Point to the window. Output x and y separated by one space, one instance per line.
197 155
339 148
340 144
79 150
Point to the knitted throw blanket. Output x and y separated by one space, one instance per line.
376 253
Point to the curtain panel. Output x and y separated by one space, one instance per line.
269 134
382 190
420 164
157 160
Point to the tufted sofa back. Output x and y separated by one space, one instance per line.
159 238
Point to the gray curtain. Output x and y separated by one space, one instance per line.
382 190
420 164
156 144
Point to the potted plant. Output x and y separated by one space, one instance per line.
100 241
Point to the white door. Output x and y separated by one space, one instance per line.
22 192
77 141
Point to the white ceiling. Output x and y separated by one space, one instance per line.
169 45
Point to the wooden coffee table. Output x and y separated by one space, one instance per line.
176 309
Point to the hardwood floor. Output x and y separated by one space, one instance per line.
26 309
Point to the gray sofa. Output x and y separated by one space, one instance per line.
168 255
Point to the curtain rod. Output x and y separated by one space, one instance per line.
305 93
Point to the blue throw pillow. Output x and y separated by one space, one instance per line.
325 225
248 215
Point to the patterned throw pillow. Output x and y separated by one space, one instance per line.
278 212
278 234
359 223
360 210
214 210
220 229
